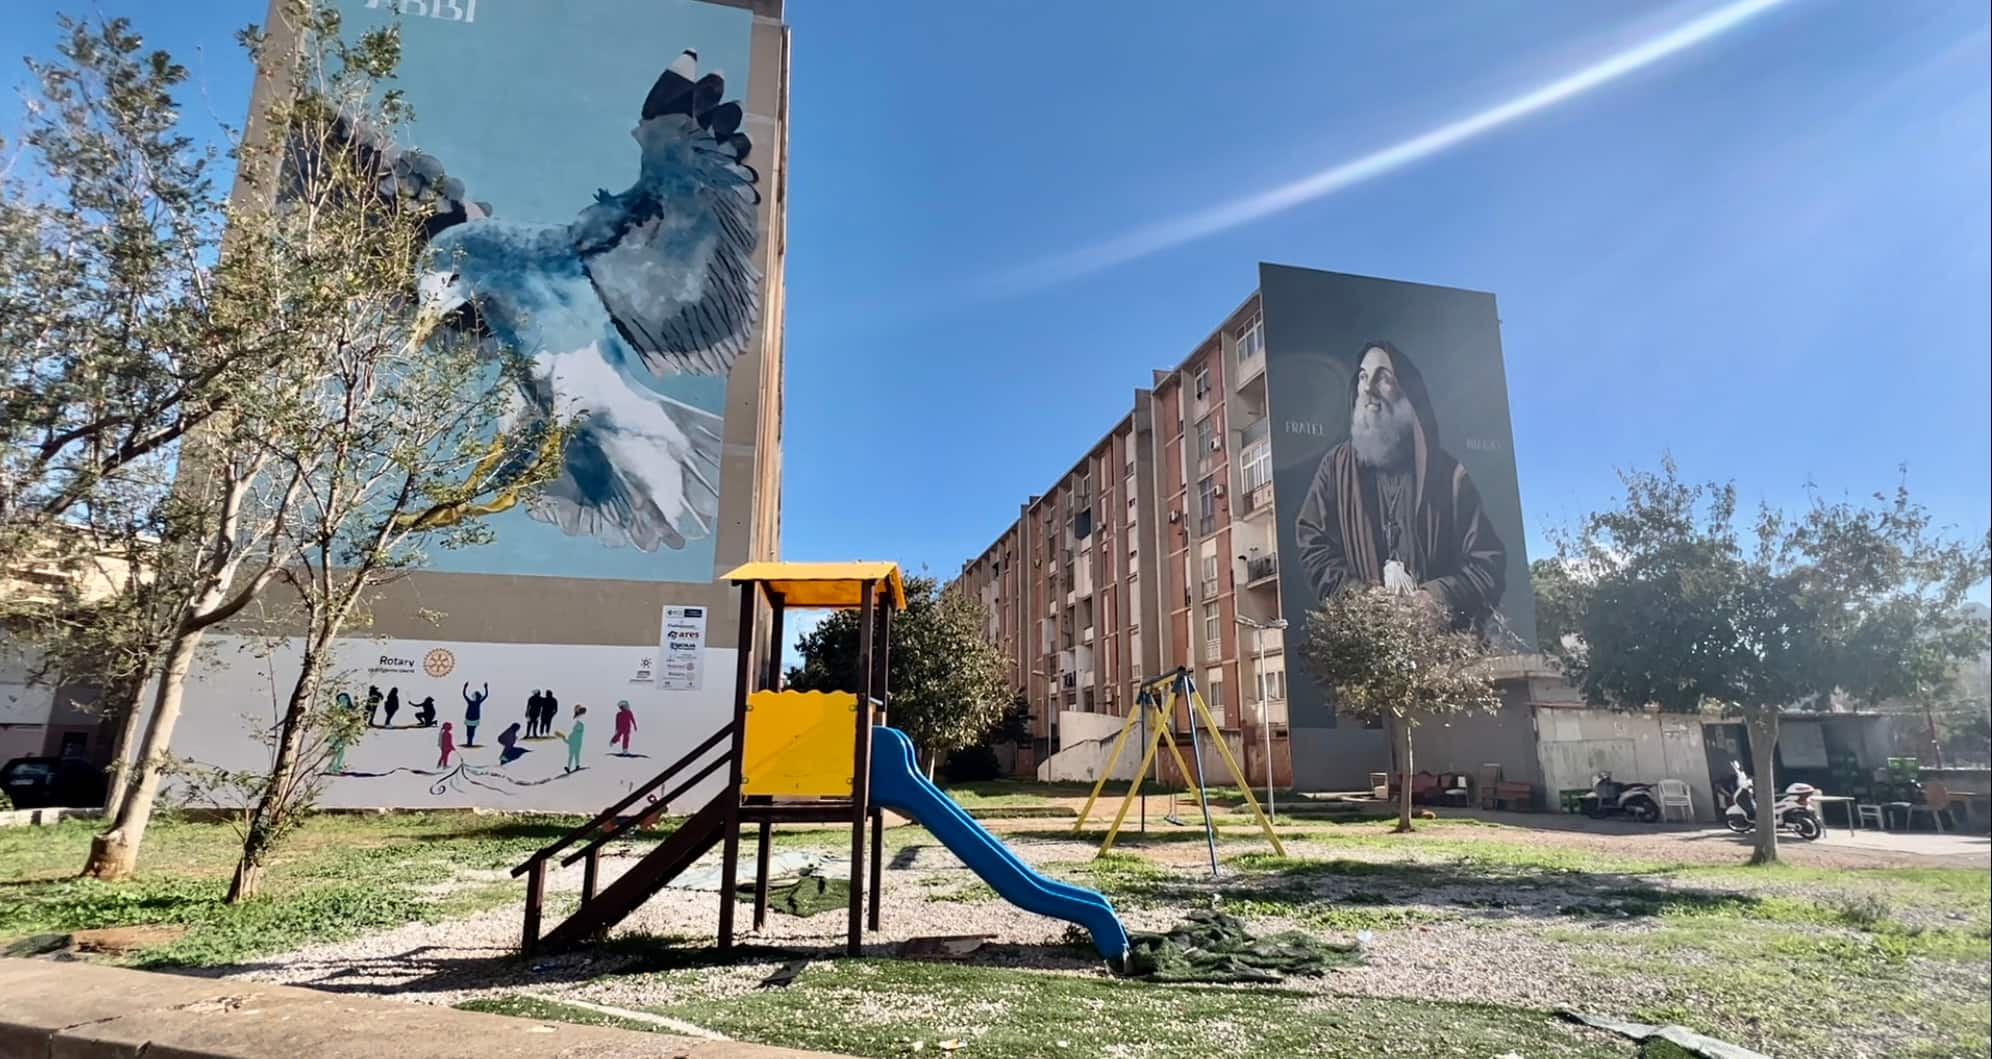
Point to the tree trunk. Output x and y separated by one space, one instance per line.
120 767
1401 729
271 815
114 853
1763 749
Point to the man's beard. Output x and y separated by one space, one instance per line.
1382 436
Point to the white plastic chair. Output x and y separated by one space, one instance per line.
1674 794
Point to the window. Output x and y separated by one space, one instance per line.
1258 468
1210 567
1213 624
1206 434
1203 382
1251 340
1207 505
1214 695
1272 686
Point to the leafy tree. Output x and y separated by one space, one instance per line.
387 430
1560 601
1394 657
948 685
324 467
115 339
1687 610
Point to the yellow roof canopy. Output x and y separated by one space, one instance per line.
835 585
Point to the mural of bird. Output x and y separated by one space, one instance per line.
652 282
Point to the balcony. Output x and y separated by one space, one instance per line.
1258 502
1261 570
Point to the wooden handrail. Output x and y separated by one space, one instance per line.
628 800
627 823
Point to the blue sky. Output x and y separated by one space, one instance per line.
1766 253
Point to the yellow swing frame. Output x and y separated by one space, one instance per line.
1159 715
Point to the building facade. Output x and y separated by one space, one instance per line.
652 159
1145 555
1299 448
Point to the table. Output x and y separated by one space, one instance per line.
1845 802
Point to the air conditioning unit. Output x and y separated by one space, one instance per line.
1219 491
1216 444
1175 516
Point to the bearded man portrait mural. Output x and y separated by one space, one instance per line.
1393 464
1391 506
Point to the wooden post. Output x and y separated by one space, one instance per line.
861 768
743 678
882 684
535 893
589 868
881 668
877 863
772 673
761 876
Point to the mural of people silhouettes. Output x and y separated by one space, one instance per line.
549 709
446 743
625 726
425 712
373 703
473 711
509 749
574 739
533 713
393 706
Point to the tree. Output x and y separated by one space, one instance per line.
1685 610
948 685
1394 657
389 422
114 342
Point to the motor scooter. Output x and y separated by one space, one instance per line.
1608 797
1793 811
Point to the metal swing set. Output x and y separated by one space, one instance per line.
1154 711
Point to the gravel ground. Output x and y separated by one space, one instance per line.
1469 940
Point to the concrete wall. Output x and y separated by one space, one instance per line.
1085 740
1574 744
1465 742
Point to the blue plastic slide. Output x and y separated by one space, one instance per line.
896 784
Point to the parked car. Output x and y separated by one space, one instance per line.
53 782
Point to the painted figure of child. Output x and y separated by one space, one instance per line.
625 725
574 739
445 742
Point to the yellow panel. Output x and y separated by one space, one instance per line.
799 743
838 585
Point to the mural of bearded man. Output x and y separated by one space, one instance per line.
1390 506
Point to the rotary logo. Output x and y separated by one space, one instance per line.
438 663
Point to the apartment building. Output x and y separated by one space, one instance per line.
1162 547
1155 550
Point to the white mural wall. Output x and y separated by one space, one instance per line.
426 755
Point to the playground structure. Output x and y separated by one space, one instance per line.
798 757
1155 714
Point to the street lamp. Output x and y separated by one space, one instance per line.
1265 710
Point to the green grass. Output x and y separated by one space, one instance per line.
544 1010
881 1007
338 877
1787 991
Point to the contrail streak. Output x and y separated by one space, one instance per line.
1176 231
